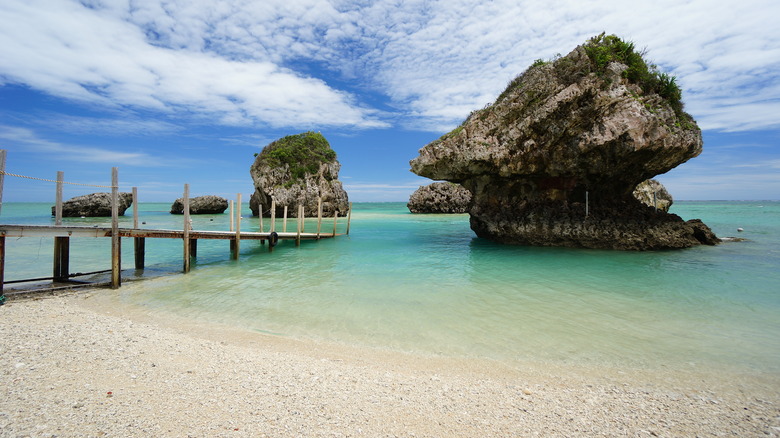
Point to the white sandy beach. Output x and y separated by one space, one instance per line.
82 365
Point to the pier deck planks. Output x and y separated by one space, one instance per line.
77 231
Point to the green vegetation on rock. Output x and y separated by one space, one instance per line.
302 153
604 49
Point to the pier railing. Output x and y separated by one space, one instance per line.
62 233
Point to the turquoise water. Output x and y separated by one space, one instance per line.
425 284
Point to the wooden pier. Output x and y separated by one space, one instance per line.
189 237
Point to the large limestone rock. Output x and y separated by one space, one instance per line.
653 194
554 161
94 205
440 197
298 170
208 204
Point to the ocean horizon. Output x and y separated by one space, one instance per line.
425 284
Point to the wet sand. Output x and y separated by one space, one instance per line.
84 364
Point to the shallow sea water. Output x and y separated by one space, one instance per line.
425 284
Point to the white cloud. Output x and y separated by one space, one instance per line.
464 53
94 55
22 138
248 62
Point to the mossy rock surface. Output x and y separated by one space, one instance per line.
298 169
302 154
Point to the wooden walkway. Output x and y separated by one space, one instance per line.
76 231
63 233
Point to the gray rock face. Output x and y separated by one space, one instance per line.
440 197
312 175
554 161
94 205
208 204
653 194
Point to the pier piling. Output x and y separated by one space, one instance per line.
236 247
116 241
61 268
349 217
186 228
58 202
2 261
319 216
139 243
273 214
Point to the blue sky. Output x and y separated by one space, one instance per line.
186 91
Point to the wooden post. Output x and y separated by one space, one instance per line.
319 216
193 248
232 218
58 205
139 243
237 244
273 215
61 258
284 221
135 208
273 224
335 219
2 180
116 242
260 214
140 252
300 225
231 215
260 208
186 228
349 217
2 258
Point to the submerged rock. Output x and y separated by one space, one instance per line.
298 170
208 204
440 197
555 160
94 205
653 194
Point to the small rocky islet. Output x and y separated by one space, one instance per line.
555 160
298 170
440 198
93 205
208 204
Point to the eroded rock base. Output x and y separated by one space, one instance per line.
627 225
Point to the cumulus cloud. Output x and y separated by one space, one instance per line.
91 53
274 62
461 54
